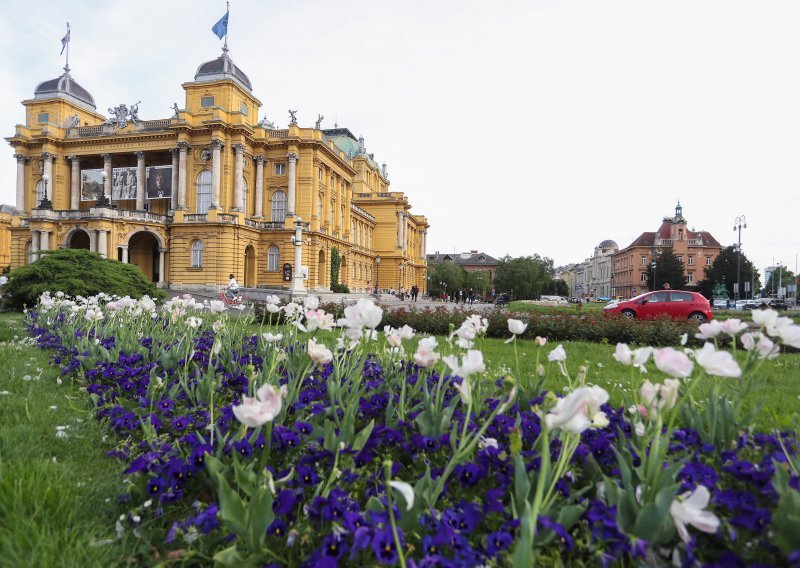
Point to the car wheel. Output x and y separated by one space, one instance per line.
698 317
628 314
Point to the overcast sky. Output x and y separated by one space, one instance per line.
515 127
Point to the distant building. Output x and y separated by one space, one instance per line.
591 279
471 261
631 265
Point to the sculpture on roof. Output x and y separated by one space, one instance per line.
266 124
74 121
320 118
133 114
175 108
121 115
292 117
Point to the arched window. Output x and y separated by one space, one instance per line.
39 192
203 187
197 254
273 258
278 206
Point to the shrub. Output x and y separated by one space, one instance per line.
75 272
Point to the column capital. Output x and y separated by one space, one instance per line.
182 146
48 156
72 158
259 160
173 151
106 157
21 159
123 246
238 148
292 156
217 144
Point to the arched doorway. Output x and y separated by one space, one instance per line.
79 240
321 269
249 267
143 252
343 270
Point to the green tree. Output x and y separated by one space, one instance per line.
478 280
75 272
723 271
526 277
445 276
669 270
779 278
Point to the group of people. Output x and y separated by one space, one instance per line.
467 297
413 293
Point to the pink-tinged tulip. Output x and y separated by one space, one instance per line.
657 398
319 354
558 354
733 326
637 358
717 363
689 510
266 405
760 343
576 411
540 341
672 362
426 354
709 330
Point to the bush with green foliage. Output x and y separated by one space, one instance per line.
76 272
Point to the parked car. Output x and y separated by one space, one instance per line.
720 304
603 299
677 304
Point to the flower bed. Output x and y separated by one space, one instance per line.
278 449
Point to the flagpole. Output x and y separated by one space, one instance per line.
66 65
227 14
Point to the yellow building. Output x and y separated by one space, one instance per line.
207 192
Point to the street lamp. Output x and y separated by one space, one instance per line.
298 287
738 224
400 283
45 203
653 266
377 269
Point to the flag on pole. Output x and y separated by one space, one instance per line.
220 29
65 41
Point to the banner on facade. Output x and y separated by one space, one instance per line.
159 182
123 183
91 185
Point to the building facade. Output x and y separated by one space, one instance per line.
591 279
208 191
472 261
631 265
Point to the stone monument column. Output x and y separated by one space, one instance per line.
183 147
291 205
74 182
124 253
102 243
259 187
141 182
238 178
34 246
174 187
107 183
44 240
21 160
216 172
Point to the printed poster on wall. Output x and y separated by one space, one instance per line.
91 185
123 183
159 182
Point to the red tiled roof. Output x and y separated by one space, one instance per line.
644 240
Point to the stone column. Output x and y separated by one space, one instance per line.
161 252
183 147
102 243
238 177
107 169
74 182
403 231
44 240
124 253
141 182
47 170
216 172
291 205
399 243
174 199
259 187
298 287
423 243
21 160
92 240
34 246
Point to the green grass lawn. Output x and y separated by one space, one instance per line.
58 492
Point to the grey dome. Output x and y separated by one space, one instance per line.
222 68
608 243
63 86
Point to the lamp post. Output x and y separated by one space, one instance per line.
298 287
377 270
653 266
738 224
400 283
45 203
103 201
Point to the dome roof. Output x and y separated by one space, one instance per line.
222 68
346 145
608 243
61 86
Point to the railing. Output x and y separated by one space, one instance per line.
278 133
196 218
360 211
150 125
111 129
663 242
269 225
363 195
142 216
697 242
227 218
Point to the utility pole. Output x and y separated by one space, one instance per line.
738 224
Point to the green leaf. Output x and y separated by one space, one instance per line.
229 557
363 437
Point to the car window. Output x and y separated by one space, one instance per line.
658 297
681 297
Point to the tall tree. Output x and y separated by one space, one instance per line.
445 277
724 271
525 277
779 278
668 270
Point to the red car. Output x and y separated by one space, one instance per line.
675 303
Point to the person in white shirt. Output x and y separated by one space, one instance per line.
233 287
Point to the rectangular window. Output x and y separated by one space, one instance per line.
206 101
708 261
644 277
644 260
243 109
681 259
690 278
44 117
690 259
280 169
319 174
